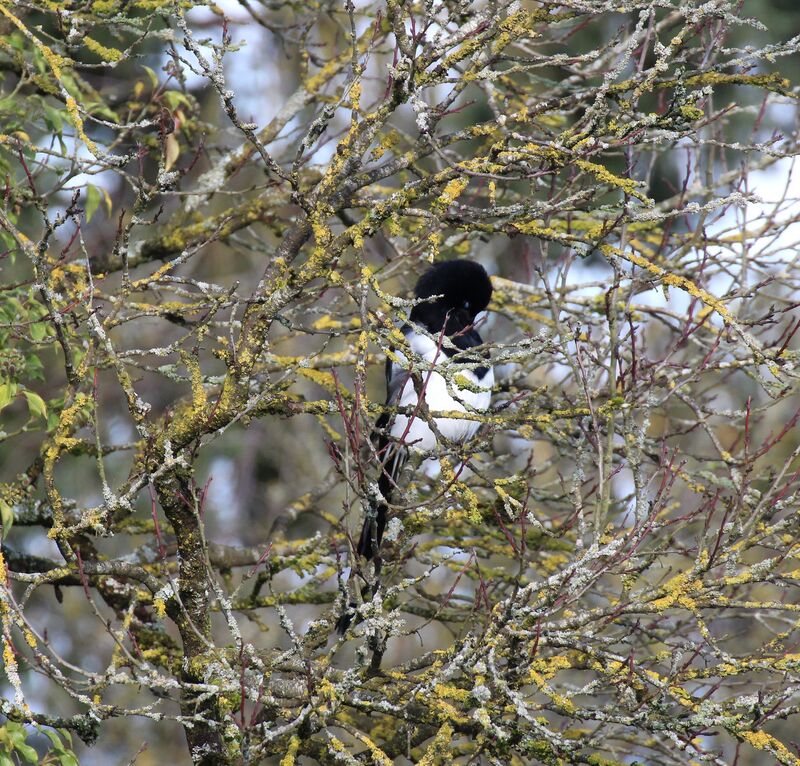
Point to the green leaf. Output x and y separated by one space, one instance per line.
53 119
52 736
7 393
9 105
5 760
174 99
6 517
152 75
92 201
28 753
101 110
17 40
16 734
36 404
13 309
63 756
172 151
34 368
38 331
107 202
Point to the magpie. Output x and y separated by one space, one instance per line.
451 299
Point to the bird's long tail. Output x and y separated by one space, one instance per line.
369 541
375 523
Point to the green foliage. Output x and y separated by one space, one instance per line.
15 751
24 337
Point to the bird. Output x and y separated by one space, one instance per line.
451 298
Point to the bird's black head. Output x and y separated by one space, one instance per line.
464 290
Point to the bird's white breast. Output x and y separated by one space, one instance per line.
439 398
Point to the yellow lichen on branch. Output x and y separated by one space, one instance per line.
56 64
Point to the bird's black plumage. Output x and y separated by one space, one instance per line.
450 296
452 292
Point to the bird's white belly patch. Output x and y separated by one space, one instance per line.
439 399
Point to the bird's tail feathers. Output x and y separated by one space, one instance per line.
375 523
372 533
369 541
343 623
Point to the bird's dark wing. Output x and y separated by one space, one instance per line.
464 339
392 458
396 378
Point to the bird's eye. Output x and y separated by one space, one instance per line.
465 305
